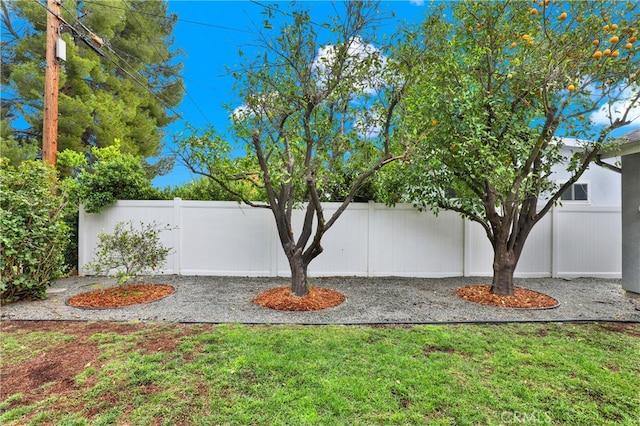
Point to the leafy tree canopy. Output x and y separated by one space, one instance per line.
508 79
118 87
317 118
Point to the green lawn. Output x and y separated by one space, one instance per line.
578 374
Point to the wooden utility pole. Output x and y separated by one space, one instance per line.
51 79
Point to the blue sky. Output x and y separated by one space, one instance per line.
211 33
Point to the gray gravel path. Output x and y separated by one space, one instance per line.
369 301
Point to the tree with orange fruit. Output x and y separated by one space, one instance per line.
505 86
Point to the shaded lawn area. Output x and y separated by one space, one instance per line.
78 373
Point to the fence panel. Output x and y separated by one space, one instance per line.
587 242
91 225
219 238
407 242
225 238
535 260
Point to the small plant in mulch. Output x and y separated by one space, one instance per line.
129 251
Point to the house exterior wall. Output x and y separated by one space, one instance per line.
604 184
631 222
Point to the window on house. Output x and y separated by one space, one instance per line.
576 192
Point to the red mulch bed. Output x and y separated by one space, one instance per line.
125 295
522 298
282 299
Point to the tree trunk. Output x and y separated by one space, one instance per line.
504 266
299 284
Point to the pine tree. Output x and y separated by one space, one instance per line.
120 80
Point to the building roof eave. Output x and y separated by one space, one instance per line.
628 143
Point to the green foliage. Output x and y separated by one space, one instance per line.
495 95
129 251
201 189
99 101
33 235
317 124
112 176
16 150
500 87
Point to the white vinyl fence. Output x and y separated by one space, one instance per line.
370 239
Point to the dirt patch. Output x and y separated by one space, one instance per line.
522 298
51 372
631 329
125 295
282 299
54 371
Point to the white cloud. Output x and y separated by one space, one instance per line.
608 113
358 52
241 112
417 2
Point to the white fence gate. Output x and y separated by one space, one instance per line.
369 239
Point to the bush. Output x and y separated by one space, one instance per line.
120 178
33 235
111 176
129 251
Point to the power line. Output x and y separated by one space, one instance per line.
205 24
161 55
100 52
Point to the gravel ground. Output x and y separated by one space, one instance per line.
369 301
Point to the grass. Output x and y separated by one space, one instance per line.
581 374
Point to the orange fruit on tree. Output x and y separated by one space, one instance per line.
598 54
513 45
614 39
615 53
563 16
606 27
533 11
607 52
633 39
628 46
596 42
571 87
614 27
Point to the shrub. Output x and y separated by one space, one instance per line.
111 176
33 235
129 251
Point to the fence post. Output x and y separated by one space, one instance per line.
555 241
177 235
370 236
82 239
